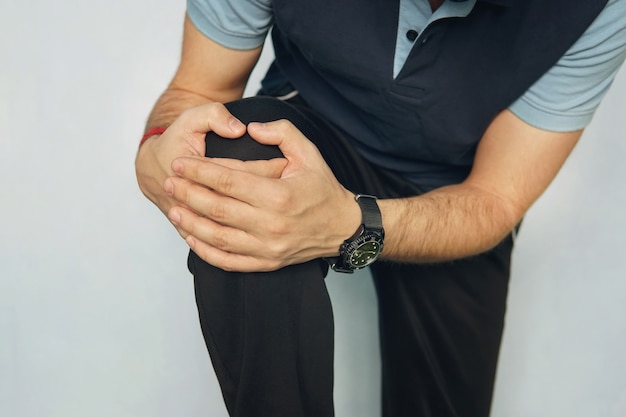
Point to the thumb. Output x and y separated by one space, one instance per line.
292 143
212 117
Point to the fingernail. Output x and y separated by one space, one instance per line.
256 125
169 187
177 167
235 125
175 217
191 241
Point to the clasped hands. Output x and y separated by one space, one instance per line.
252 215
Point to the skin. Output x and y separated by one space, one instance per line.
263 215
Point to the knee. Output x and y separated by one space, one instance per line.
253 109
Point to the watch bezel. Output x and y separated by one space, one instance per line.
351 247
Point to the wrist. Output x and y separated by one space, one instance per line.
391 213
344 223
155 131
365 245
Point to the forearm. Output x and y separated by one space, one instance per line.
171 104
208 72
448 223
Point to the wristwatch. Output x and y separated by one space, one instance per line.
365 246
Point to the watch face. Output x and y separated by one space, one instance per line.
364 252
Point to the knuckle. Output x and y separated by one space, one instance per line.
216 106
280 250
217 212
216 110
280 199
228 265
193 228
185 196
277 227
220 240
284 125
271 265
224 183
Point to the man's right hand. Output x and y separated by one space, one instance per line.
208 72
184 137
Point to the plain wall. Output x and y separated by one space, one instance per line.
97 315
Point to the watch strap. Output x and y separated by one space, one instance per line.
371 217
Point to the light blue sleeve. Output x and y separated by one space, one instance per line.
235 24
567 96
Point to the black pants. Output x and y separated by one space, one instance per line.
270 335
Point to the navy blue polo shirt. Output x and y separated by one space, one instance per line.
415 89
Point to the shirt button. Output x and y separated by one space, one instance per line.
412 35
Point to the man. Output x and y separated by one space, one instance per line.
456 115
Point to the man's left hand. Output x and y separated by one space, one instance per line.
250 217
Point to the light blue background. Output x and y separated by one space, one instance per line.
97 316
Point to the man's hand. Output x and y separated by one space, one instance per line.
185 137
260 216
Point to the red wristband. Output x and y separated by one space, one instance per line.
151 132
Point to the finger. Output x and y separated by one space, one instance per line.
285 135
244 186
221 237
212 117
271 168
222 246
229 261
210 204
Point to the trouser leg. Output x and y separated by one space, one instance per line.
270 338
440 329
440 324
269 335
